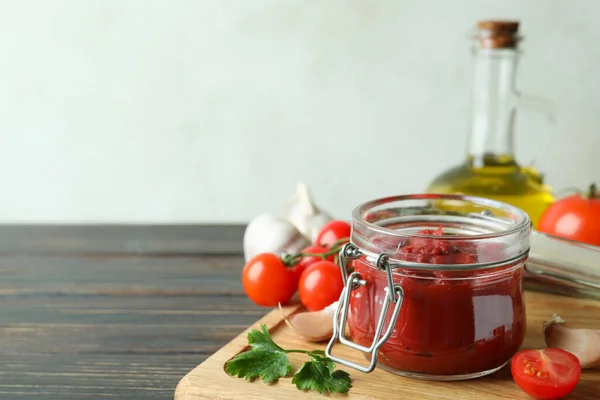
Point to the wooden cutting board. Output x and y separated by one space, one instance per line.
209 381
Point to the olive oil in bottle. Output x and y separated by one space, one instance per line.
490 169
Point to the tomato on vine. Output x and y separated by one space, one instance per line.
267 281
333 232
320 285
309 260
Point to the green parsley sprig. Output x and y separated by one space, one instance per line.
270 362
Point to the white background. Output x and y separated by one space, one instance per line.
210 111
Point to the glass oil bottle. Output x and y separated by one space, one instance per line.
490 168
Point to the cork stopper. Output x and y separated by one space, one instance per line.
498 34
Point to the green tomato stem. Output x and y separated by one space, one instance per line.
340 242
593 192
292 259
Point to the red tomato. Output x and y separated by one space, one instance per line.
306 262
574 217
546 374
320 285
267 281
332 232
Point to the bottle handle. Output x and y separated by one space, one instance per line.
548 109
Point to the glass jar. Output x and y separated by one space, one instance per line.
434 285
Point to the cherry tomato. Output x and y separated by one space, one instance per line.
306 262
267 281
320 285
574 217
546 374
332 232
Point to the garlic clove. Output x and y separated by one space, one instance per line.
314 326
267 233
583 343
302 212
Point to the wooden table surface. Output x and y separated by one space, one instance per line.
115 311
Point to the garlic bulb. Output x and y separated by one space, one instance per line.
270 234
302 212
583 343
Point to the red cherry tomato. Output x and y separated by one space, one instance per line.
320 285
574 217
546 374
267 281
306 262
332 232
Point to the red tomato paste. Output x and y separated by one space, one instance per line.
451 322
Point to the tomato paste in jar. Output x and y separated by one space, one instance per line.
451 323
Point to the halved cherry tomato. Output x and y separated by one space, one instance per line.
267 281
306 262
546 374
320 285
333 231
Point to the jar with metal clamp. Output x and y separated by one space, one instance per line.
433 286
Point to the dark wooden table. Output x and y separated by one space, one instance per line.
115 311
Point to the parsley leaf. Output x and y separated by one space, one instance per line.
267 364
262 340
270 362
266 359
319 374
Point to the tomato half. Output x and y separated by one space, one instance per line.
332 232
574 217
307 261
320 285
546 374
267 281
